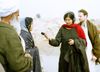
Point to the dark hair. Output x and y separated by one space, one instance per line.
28 22
70 15
83 11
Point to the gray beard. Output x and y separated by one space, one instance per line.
16 24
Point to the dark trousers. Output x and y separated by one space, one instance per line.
36 59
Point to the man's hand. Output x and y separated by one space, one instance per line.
28 55
93 58
96 60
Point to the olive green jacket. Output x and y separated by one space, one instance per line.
12 56
94 37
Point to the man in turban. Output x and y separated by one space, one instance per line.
12 56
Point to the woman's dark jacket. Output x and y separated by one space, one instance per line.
32 49
72 57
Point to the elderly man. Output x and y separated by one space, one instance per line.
12 56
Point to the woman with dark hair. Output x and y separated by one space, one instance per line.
29 43
72 52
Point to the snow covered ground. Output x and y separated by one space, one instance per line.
50 64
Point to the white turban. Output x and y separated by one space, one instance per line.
8 7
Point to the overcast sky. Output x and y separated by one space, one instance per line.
57 8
